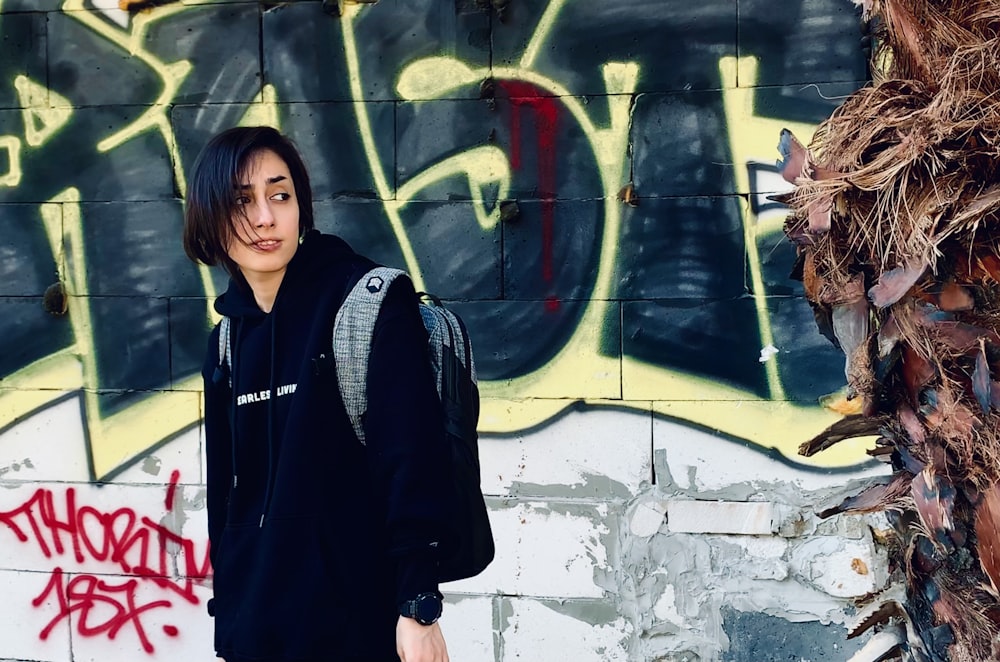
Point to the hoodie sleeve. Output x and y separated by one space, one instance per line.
218 440
403 427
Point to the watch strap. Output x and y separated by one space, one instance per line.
411 608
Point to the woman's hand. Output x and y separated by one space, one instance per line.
420 643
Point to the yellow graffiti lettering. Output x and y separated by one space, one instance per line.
368 140
432 77
264 111
155 117
485 167
13 175
578 371
44 111
116 440
542 30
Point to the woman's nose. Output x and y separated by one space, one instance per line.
264 216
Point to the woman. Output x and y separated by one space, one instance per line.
319 544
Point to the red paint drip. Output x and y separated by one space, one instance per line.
546 112
172 489
170 630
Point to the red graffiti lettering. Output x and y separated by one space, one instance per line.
131 544
175 476
546 113
85 594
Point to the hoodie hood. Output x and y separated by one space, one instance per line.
316 252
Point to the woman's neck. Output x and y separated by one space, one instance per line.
265 288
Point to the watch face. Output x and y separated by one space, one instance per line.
428 609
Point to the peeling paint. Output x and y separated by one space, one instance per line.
152 465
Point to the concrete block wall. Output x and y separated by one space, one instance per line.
585 182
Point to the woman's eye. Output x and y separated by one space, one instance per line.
243 200
281 196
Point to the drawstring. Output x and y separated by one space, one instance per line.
234 362
270 424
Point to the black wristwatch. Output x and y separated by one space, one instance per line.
424 609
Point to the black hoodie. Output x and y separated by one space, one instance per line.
316 538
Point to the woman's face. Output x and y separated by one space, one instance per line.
267 234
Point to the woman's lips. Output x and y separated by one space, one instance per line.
267 245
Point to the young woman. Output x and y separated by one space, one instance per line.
319 544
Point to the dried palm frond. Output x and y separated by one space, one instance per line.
896 218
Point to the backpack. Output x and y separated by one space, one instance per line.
470 548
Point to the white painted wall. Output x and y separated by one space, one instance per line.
594 562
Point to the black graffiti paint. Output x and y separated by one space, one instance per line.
681 295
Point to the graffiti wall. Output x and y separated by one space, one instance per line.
587 183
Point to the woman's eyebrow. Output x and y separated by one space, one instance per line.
268 181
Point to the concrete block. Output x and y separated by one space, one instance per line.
307 54
682 248
719 517
328 136
521 349
647 515
578 630
842 568
470 269
85 70
181 455
808 364
30 335
48 445
755 558
468 627
24 624
854 527
681 146
586 35
22 50
755 637
432 131
142 163
222 41
594 452
564 267
27 260
794 522
131 343
545 549
701 349
788 44
171 628
516 137
190 326
362 223
151 418
125 256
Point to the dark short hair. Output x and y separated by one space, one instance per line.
210 207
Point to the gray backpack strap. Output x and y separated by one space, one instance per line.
462 345
225 348
438 337
352 340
